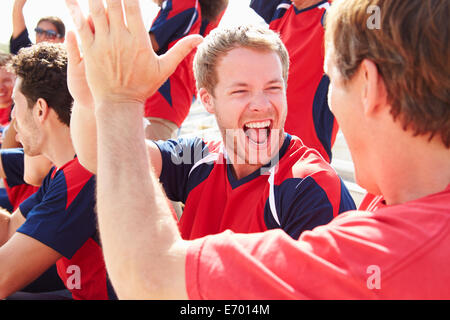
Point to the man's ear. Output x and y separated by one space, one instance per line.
41 110
207 100
374 93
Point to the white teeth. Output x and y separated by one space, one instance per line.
256 125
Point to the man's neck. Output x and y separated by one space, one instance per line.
59 147
420 169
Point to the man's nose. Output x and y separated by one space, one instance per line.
260 102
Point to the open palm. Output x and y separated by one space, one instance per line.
121 65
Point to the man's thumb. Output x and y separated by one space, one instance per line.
170 60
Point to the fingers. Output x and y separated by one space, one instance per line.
134 18
73 52
83 29
174 56
115 14
98 16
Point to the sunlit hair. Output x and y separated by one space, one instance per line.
411 50
222 40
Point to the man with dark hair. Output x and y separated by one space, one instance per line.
57 224
389 93
50 29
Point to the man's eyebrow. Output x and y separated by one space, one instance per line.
278 80
244 84
238 84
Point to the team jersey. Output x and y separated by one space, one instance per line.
175 20
13 166
208 26
61 215
302 33
372 202
5 116
396 252
296 191
22 41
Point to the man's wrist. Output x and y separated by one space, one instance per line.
116 105
111 113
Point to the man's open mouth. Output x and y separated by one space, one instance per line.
258 132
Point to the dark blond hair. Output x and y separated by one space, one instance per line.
222 40
411 50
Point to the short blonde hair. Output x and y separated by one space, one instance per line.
222 40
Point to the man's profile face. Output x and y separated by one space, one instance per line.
345 101
28 133
250 104
6 86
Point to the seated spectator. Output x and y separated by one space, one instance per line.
50 29
389 93
6 87
22 180
57 224
299 23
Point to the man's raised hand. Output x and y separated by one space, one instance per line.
121 66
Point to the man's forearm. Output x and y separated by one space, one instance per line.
138 234
18 18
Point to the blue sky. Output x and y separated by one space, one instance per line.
35 9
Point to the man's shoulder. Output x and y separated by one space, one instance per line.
302 161
70 176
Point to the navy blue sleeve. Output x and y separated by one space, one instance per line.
178 158
60 225
13 166
301 204
27 205
22 41
168 29
266 8
323 118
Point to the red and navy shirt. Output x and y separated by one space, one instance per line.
13 166
61 215
175 20
372 203
302 33
297 192
22 41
